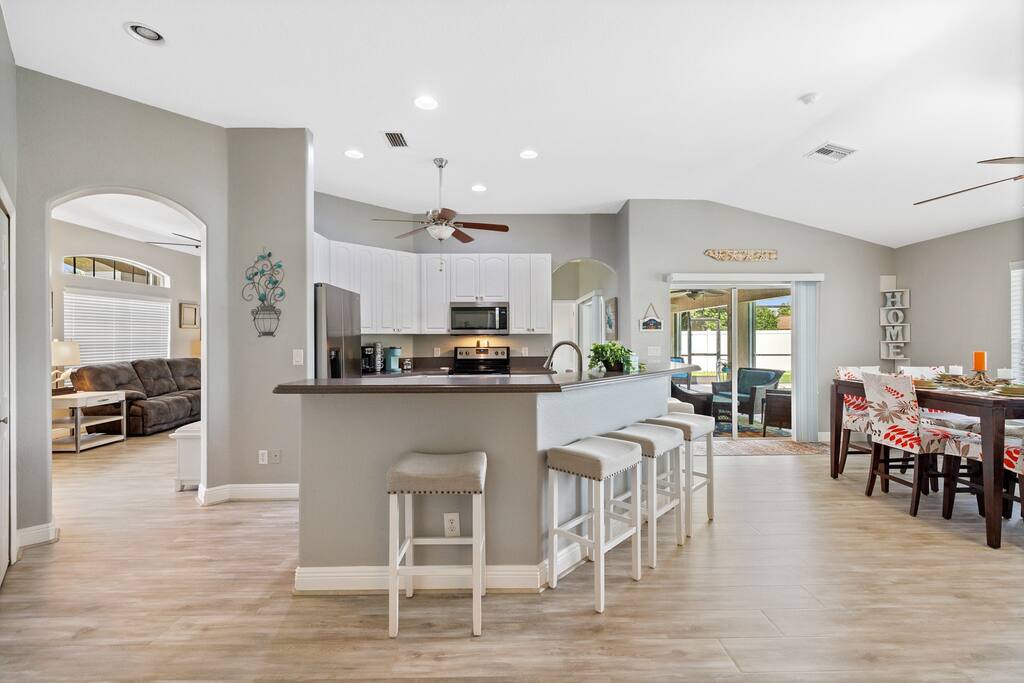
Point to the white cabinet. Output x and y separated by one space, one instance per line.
365 282
343 266
407 288
479 277
386 265
529 296
434 283
321 258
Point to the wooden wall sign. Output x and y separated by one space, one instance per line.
742 254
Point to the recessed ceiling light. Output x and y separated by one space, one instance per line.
528 154
425 102
354 154
141 32
479 188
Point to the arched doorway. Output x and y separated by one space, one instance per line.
584 307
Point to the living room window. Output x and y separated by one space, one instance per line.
105 268
109 327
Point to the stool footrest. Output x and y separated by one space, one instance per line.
576 521
442 540
628 533
586 542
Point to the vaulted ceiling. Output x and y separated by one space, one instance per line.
675 99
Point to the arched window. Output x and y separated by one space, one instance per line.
109 268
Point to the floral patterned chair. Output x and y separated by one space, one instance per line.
939 418
855 415
967 445
896 423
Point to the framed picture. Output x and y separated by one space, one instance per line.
611 319
188 316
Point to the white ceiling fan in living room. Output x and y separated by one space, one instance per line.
997 160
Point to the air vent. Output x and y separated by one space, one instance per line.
396 139
830 153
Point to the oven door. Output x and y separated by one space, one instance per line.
479 318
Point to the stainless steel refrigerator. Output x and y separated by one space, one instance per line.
336 331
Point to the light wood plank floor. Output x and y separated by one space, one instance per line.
800 578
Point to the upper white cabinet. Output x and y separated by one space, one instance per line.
479 277
434 286
529 295
343 265
321 258
407 287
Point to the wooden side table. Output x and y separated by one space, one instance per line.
79 440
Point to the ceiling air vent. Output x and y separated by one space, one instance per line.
829 153
396 139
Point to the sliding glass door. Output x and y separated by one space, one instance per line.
740 337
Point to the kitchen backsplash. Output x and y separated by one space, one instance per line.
421 345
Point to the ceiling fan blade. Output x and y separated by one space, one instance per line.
461 236
395 220
445 215
185 237
976 187
411 232
175 244
1003 160
482 226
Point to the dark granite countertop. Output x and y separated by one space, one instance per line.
437 382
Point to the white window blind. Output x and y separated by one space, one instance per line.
115 328
1017 320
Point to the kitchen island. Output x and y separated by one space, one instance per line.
354 429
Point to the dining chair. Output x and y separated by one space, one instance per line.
855 415
895 423
967 445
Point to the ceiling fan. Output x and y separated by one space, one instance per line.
999 160
193 242
440 223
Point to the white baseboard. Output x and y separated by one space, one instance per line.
37 535
228 492
525 578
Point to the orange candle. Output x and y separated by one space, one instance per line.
980 361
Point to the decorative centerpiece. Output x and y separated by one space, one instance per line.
263 284
613 357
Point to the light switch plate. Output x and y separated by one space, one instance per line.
653 351
297 357
275 456
437 352
526 351
261 456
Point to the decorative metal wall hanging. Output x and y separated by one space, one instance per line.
263 284
742 254
651 321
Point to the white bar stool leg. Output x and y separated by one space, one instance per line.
408 536
634 499
393 565
677 492
652 511
597 505
483 544
478 551
711 477
688 466
587 529
552 524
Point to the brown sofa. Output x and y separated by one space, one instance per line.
162 393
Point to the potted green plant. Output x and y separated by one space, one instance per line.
612 355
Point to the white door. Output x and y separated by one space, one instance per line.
407 289
563 327
385 294
586 317
434 271
465 282
365 281
519 300
5 402
540 293
343 266
494 277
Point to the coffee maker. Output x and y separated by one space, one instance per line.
372 361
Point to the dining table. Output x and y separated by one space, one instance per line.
992 410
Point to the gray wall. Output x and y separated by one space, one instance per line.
960 294
68 239
668 236
346 220
8 113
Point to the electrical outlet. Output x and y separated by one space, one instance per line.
261 456
451 524
437 352
275 456
653 351
297 355
526 351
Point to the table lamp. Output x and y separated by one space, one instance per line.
64 353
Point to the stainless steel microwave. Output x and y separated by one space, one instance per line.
481 317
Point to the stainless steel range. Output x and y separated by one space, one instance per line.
481 360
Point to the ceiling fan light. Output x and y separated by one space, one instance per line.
440 232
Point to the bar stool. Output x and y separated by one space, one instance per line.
435 474
596 459
693 427
656 441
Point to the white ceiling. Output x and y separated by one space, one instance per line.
622 99
130 216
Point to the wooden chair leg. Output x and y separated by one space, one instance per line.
975 477
933 470
1009 484
876 451
886 456
951 467
903 464
844 449
920 482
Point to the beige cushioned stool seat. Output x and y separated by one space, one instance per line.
594 457
692 426
455 473
653 439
